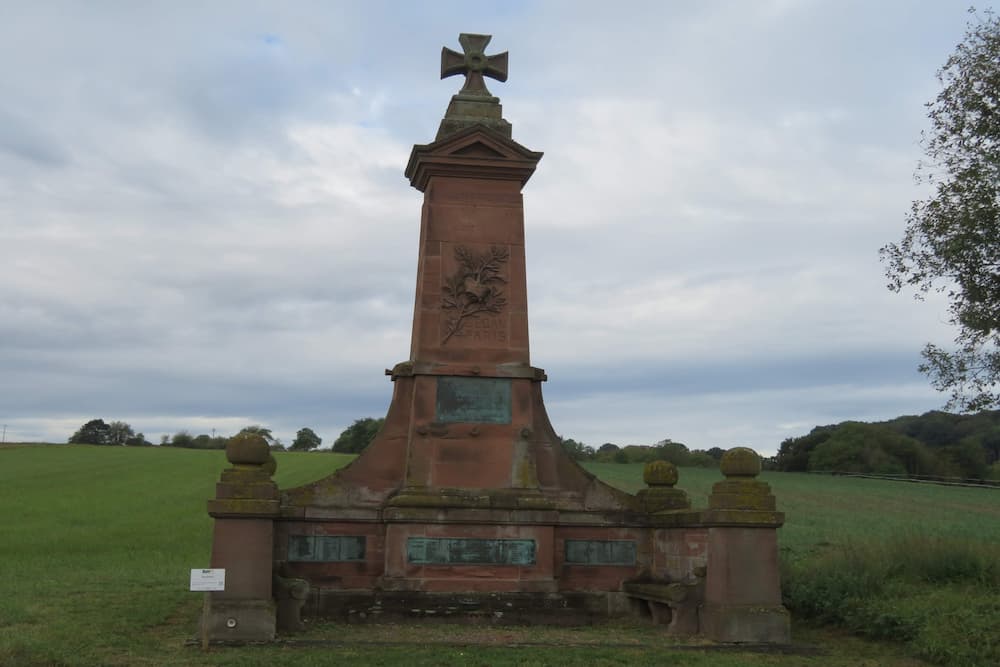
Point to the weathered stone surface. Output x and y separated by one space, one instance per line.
659 473
473 105
742 587
241 620
247 449
741 494
601 552
290 597
740 462
748 624
673 604
663 498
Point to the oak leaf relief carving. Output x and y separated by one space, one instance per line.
474 288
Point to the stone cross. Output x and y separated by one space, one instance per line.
474 64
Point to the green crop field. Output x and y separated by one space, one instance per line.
96 544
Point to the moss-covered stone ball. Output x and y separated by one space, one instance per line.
740 462
659 473
272 464
247 449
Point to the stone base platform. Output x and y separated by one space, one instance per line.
516 608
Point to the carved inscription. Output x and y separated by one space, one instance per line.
486 330
600 552
468 551
326 548
470 399
474 289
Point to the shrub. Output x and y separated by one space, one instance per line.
936 594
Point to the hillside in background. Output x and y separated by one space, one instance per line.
933 444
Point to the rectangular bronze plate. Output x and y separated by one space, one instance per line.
468 551
470 399
326 548
600 552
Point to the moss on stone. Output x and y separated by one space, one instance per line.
659 473
247 449
740 462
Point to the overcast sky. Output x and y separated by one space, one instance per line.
204 222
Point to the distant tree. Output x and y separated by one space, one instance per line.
914 456
94 432
305 440
639 453
259 430
716 453
991 443
576 450
358 435
843 451
606 452
183 439
205 441
968 458
936 428
699 458
952 240
793 454
138 440
935 443
675 452
119 433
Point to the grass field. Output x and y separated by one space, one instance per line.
96 544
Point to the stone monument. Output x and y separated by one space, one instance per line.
465 505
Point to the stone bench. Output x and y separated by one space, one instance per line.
674 605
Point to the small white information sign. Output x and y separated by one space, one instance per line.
208 580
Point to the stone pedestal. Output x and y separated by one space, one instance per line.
742 587
244 509
660 478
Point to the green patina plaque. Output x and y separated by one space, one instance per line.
470 399
326 548
467 551
600 552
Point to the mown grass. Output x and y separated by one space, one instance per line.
96 544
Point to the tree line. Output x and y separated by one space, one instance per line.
665 450
99 432
357 436
935 443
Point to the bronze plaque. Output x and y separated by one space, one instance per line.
469 551
326 548
600 552
470 399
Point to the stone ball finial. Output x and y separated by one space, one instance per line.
659 473
247 449
271 466
740 462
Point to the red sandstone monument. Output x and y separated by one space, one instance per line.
465 506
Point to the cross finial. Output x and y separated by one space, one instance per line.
474 64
